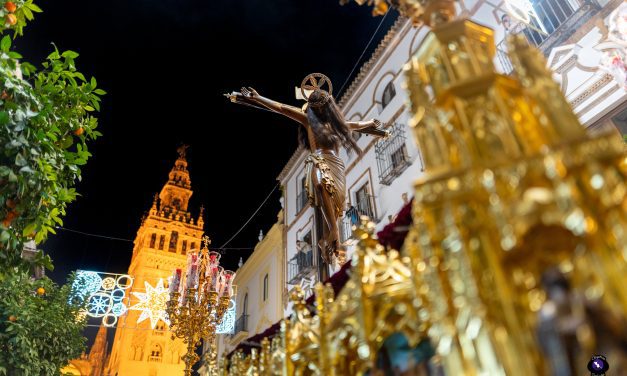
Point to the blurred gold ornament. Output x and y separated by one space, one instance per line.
519 226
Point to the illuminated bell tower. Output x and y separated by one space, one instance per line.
143 344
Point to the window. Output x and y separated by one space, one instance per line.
548 16
176 203
399 156
392 156
351 218
265 288
184 247
161 242
159 329
138 353
307 239
362 201
245 305
301 197
153 240
155 353
388 94
302 262
174 238
193 246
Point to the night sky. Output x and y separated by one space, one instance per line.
165 65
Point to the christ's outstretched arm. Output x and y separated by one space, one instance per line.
250 96
372 127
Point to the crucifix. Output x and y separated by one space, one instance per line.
323 130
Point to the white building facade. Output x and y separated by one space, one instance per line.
577 36
259 282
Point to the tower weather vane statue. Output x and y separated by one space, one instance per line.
323 130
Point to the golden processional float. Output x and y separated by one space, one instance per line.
516 261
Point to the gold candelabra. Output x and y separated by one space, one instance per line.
198 302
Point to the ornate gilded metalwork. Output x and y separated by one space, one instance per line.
195 313
515 190
344 334
315 81
376 302
516 261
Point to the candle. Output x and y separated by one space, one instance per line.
216 274
227 282
192 274
175 281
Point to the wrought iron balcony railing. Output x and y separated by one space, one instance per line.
299 265
241 324
364 207
351 217
552 23
392 155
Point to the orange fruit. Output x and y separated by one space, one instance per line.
41 291
12 318
10 6
11 203
6 222
11 19
79 131
4 95
380 8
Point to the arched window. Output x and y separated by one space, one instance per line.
155 353
184 247
265 288
176 203
388 93
245 305
161 242
153 240
174 238
138 353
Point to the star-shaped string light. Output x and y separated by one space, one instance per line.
152 303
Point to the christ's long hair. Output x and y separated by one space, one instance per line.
328 113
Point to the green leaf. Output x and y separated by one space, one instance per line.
27 13
100 91
34 7
93 82
54 55
70 54
5 44
4 118
14 55
29 229
20 160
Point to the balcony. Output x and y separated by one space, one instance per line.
299 266
392 155
364 207
351 217
550 25
241 325
301 201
